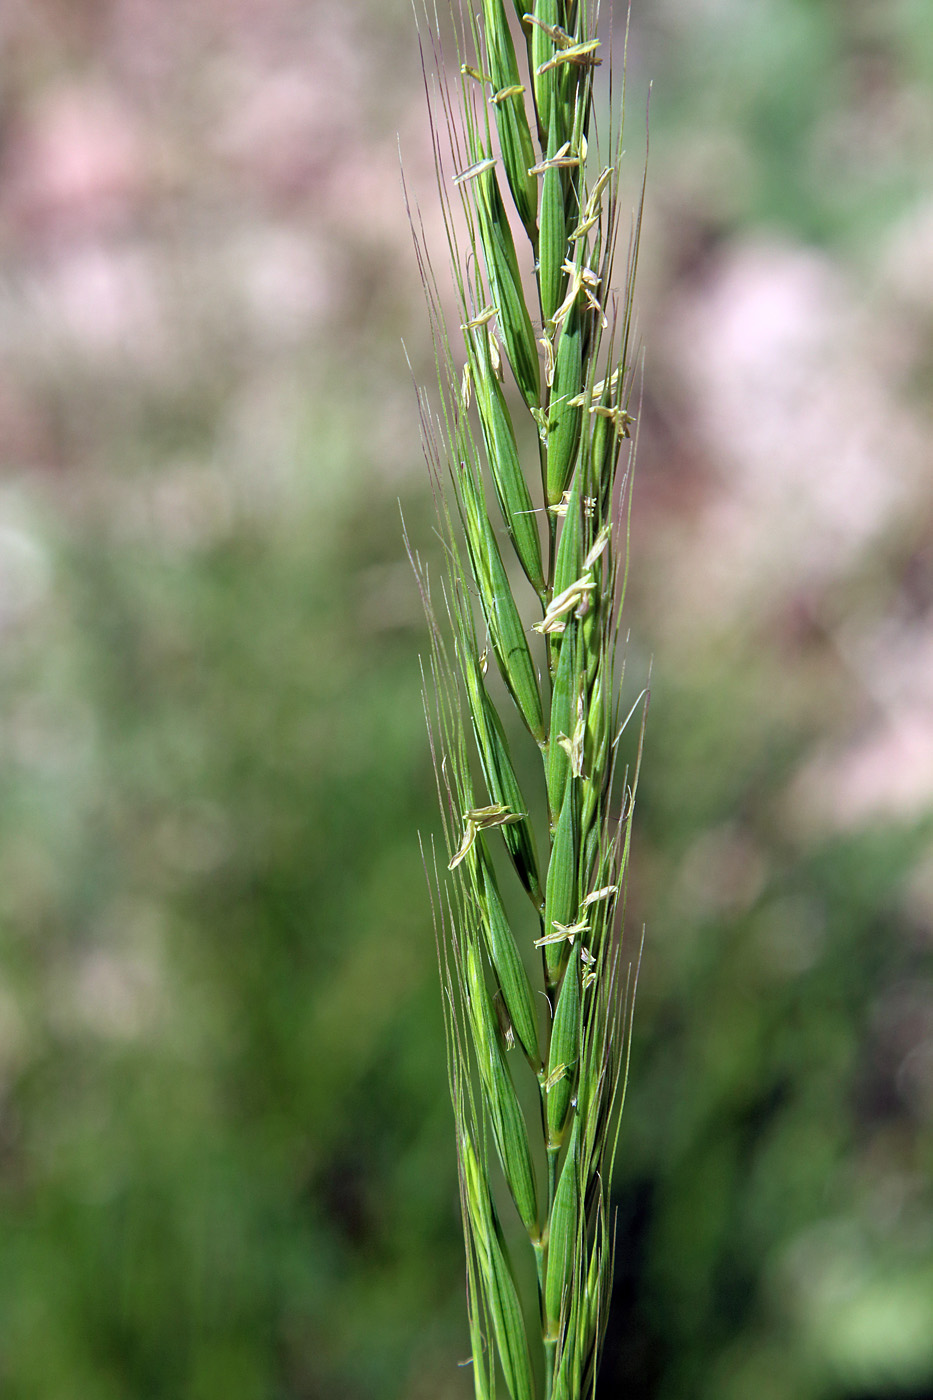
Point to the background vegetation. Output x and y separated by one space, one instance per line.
226 1160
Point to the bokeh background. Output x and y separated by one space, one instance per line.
226 1165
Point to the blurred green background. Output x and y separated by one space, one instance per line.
226 1163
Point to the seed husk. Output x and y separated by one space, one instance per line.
511 119
565 418
568 565
505 468
565 1052
501 1294
506 286
563 703
510 970
562 1243
499 773
508 1124
542 50
495 595
552 247
561 891
509 1326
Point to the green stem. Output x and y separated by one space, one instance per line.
553 1153
550 1348
540 1249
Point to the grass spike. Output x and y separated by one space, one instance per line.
530 768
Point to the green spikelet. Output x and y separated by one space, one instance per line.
511 119
562 1246
505 283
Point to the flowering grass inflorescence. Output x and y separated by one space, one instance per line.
542 593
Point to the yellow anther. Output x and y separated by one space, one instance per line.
540 417
598 546
576 53
482 819
503 94
582 279
599 388
575 598
481 318
470 72
619 417
563 933
559 36
548 346
563 505
472 171
466 386
495 359
558 1073
559 159
595 896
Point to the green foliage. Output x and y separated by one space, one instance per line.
208 967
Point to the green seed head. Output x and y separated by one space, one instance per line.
531 761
